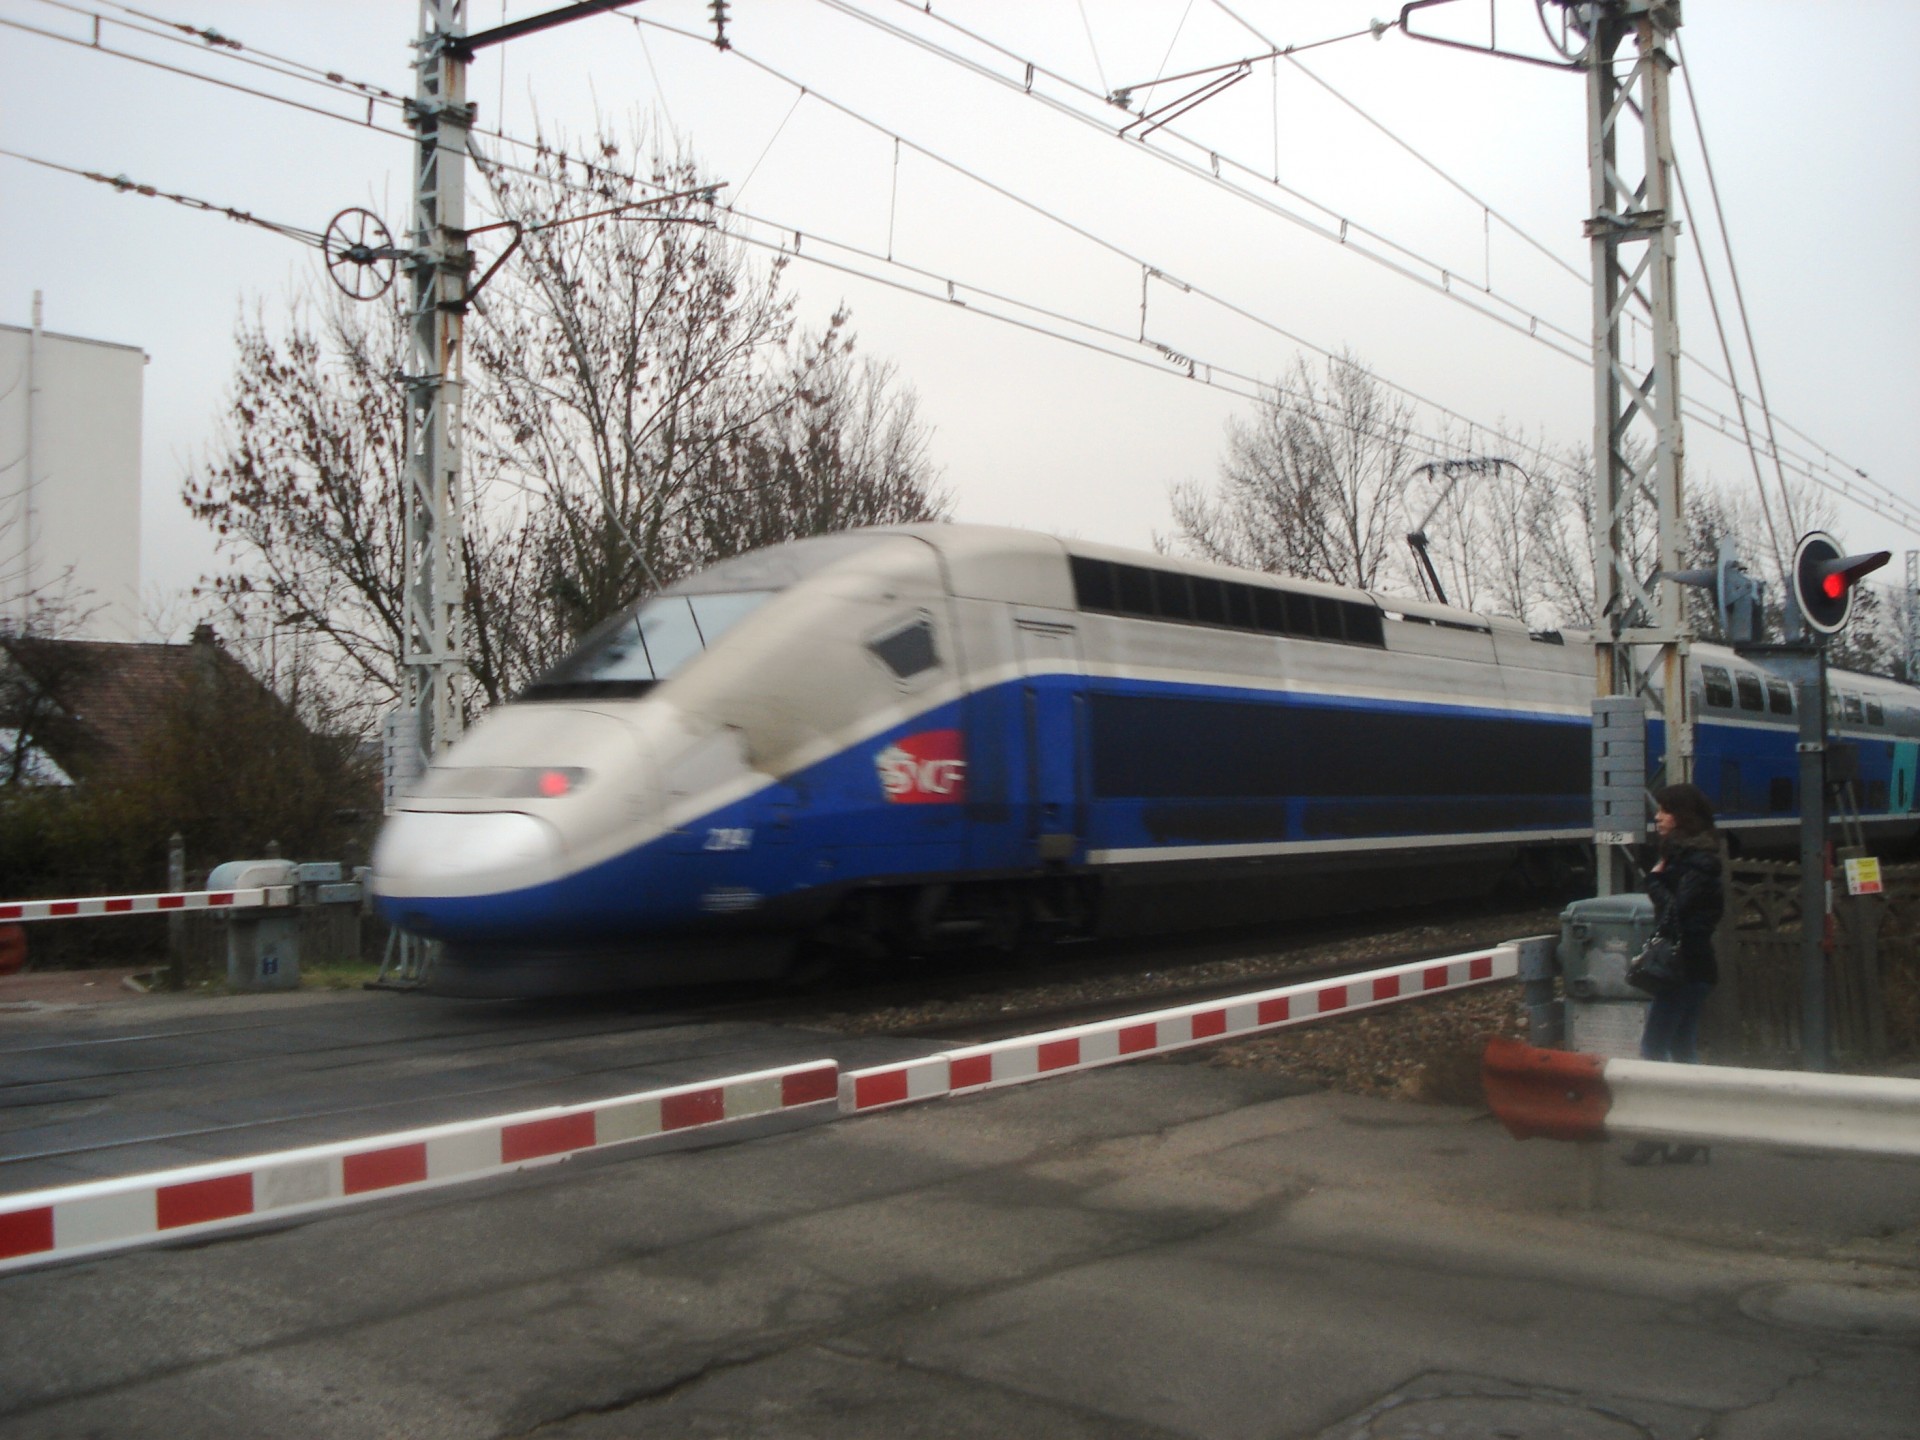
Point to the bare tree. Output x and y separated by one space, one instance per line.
847 449
637 404
618 364
1313 486
303 491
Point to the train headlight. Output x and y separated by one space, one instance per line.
434 845
501 782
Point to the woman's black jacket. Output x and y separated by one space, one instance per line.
1688 896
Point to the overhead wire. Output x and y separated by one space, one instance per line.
1753 454
1710 414
1784 457
1130 258
1733 271
1291 56
149 61
1336 227
124 185
1698 409
373 94
227 47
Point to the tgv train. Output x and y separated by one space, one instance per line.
881 740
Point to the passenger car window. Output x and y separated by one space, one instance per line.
1875 715
1779 697
1749 686
1718 685
1113 588
1850 705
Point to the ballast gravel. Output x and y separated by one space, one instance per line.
1426 1050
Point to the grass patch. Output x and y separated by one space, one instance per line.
349 975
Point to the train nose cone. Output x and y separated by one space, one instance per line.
423 853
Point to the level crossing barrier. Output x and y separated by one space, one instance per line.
250 898
261 901
116 1214
107 1215
1108 1042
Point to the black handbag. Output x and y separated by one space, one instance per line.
1657 968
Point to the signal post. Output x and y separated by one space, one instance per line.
1819 605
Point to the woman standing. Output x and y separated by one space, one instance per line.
1688 898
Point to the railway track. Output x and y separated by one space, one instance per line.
113 1097
1120 977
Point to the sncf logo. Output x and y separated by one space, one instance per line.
923 769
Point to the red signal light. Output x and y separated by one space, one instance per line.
555 783
1835 586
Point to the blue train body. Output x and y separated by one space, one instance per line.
983 763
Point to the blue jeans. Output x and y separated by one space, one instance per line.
1673 1024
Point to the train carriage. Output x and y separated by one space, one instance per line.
886 739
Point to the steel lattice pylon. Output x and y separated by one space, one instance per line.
437 263
1634 234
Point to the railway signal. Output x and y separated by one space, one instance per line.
1736 595
1824 580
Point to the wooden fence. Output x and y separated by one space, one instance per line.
1873 977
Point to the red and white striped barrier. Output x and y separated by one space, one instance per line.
1559 1095
109 1215
260 897
1058 1052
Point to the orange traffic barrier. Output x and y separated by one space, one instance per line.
1555 1094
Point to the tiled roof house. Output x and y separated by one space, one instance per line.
83 708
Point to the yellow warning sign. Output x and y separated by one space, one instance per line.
1863 876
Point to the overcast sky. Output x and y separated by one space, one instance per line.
1810 114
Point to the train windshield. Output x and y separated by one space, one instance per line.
636 650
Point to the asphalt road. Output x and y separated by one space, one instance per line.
137 1086
1160 1249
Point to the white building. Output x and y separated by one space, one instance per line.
70 478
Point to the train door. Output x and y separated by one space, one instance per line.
1906 759
1052 702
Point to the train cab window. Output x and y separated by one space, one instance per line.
1779 697
1875 715
909 650
1749 688
1718 684
1850 708
631 652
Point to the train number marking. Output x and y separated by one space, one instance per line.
730 837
